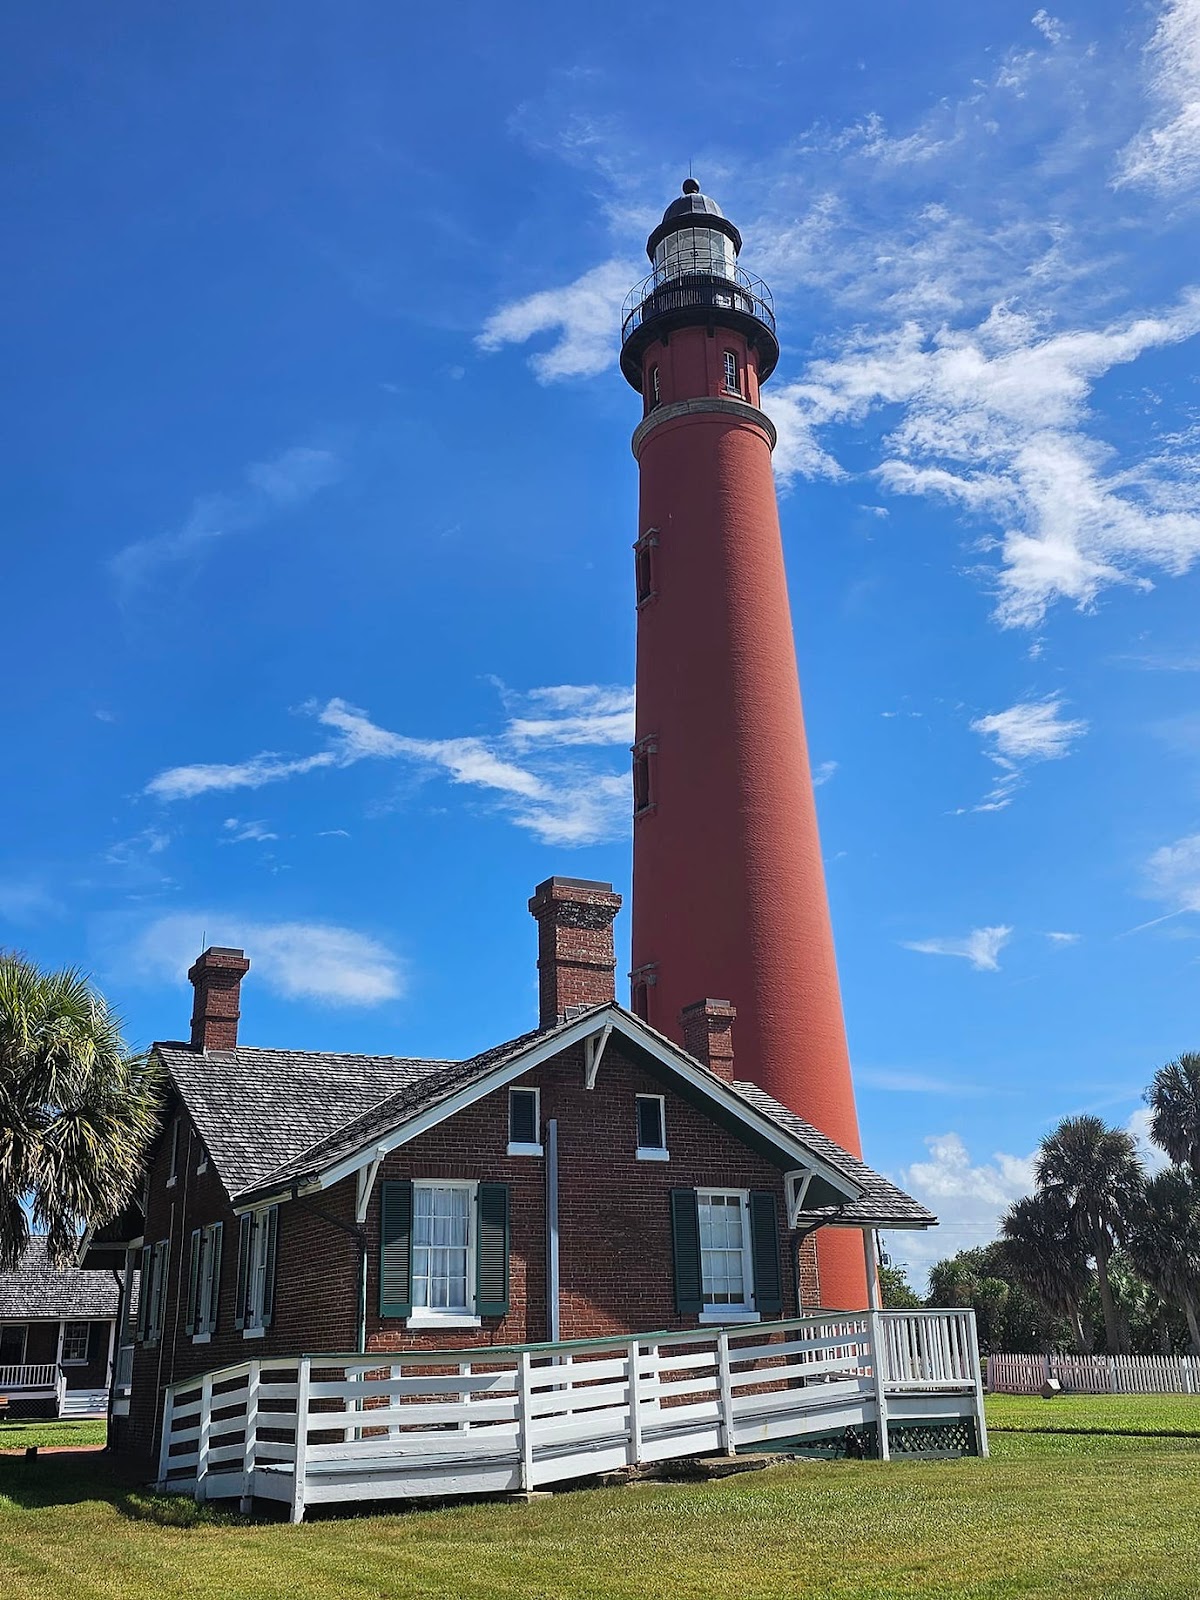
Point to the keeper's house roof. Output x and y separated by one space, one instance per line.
275 1121
37 1290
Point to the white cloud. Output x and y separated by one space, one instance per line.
1153 1159
1165 154
1062 938
903 1082
585 317
273 486
297 960
967 1199
561 799
981 947
1050 27
1174 874
246 832
1031 730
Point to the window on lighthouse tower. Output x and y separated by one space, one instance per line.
732 383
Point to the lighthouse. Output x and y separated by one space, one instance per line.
729 891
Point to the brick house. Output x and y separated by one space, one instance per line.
586 1179
57 1337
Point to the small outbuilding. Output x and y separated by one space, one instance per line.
57 1337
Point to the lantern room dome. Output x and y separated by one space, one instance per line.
690 210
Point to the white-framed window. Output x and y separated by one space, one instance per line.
524 1122
202 1161
13 1338
732 381
726 1264
256 1270
152 1302
204 1282
655 392
75 1343
651 1112
443 1254
173 1164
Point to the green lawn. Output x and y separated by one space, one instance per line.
1095 1516
1085 1413
19 1435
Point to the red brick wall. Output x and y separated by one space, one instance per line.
616 1269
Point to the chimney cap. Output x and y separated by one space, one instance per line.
574 883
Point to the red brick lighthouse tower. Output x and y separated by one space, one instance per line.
728 883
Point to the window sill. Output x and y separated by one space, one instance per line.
448 1319
202 1338
200 1171
524 1150
170 1183
73 1361
728 1314
253 1333
649 1153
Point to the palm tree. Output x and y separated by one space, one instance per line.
76 1109
1174 1101
1045 1255
1095 1172
1164 1242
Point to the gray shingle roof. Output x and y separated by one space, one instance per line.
272 1117
883 1204
36 1289
259 1109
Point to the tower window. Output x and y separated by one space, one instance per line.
653 393
651 1128
641 981
732 382
644 563
643 786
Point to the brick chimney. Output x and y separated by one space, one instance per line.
708 1035
576 964
217 978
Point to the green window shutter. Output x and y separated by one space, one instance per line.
395 1249
143 1317
270 1221
491 1251
764 1247
97 1340
685 1235
245 1223
214 1273
193 1282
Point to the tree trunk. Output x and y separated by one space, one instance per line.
1193 1322
1083 1344
1112 1322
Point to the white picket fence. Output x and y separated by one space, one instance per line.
1097 1374
323 1428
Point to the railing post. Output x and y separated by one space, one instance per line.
250 1437
980 1419
202 1444
879 1377
164 1448
726 1384
524 1420
394 1372
60 1391
303 1375
464 1395
635 1404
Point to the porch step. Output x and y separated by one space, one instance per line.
85 1403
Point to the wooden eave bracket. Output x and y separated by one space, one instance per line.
796 1188
365 1184
593 1052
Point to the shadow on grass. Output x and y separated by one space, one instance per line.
89 1477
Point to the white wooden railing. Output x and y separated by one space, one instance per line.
40 1375
1095 1374
337 1427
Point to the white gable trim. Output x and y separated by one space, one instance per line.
593 1026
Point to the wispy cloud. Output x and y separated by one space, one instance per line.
1173 875
297 960
582 316
1056 937
1165 154
238 832
1031 730
1049 27
822 772
981 947
270 487
919 1083
560 798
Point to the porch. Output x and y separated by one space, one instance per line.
319 1428
41 1384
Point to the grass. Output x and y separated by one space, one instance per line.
1165 1414
20 1435
1096 1515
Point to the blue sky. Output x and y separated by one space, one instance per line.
319 504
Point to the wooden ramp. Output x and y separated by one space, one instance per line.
319 1428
